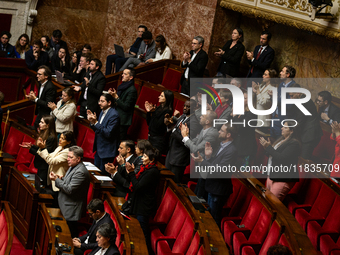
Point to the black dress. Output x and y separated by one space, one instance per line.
230 62
158 135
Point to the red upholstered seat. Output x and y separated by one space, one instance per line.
3 233
271 239
229 225
166 208
328 244
257 235
172 79
87 145
179 106
107 209
14 138
147 94
307 195
201 251
80 130
331 226
139 128
319 209
283 241
24 156
181 243
239 201
172 229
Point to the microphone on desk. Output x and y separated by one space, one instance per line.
7 117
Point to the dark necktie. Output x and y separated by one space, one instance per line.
257 57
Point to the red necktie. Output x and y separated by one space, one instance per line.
257 57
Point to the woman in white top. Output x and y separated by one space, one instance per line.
263 98
162 51
65 111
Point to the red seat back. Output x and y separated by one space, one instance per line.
24 156
167 207
3 233
271 239
172 79
147 94
139 128
108 209
14 138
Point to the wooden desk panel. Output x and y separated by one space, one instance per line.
24 199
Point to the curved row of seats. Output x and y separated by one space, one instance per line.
6 229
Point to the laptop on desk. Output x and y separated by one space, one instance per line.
120 52
61 79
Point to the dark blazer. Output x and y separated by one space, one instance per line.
95 89
92 244
126 105
56 47
32 63
333 113
286 156
158 135
73 190
39 163
245 141
113 250
220 184
309 128
57 66
49 94
262 63
106 141
10 50
179 154
143 197
230 63
122 180
197 66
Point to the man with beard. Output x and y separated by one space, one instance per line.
219 185
106 127
91 88
126 97
47 93
327 110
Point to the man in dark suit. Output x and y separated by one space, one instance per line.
47 93
126 97
5 46
287 75
119 174
73 188
88 241
309 129
35 57
117 61
218 184
106 140
91 88
207 134
261 58
56 42
178 157
328 112
195 62
147 50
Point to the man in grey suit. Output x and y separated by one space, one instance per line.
146 50
73 188
197 145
